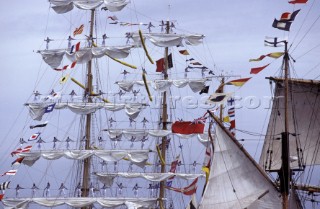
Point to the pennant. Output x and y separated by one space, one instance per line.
193 203
187 127
114 18
19 150
258 69
66 67
273 42
205 90
161 65
4 185
34 136
298 2
173 169
49 108
184 52
17 162
10 173
189 190
218 98
75 47
64 79
78 31
287 16
274 55
238 82
39 125
281 25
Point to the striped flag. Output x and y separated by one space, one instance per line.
238 82
19 150
17 162
4 185
75 47
274 55
78 31
10 173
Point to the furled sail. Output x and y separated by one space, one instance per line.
107 178
139 134
54 57
132 203
304 125
235 180
37 110
135 156
168 40
195 85
61 6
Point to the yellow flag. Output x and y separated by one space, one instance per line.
207 171
226 119
64 79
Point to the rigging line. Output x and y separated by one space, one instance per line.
306 33
304 20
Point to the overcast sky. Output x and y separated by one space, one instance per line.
234 30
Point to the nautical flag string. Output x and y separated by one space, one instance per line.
274 55
231 114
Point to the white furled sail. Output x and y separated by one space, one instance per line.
54 57
37 110
304 125
236 181
64 6
22 203
135 156
107 178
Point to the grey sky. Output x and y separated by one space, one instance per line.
234 31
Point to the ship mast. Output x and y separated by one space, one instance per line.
86 164
164 122
285 174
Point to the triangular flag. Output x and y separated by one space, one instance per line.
238 82
298 2
258 69
184 52
272 55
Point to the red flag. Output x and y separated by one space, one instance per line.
1 196
189 190
18 161
160 65
187 127
298 2
287 16
258 69
19 150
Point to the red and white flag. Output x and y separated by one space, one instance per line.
19 150
189 190
10 173
34 136
66 67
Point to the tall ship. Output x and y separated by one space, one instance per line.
125 113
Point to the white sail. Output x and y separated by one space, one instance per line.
168 40
235 181
37 110
135 156
64 6
107 178
22 203
54 57
304 125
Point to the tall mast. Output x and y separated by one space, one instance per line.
285 174
164 122
86 164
